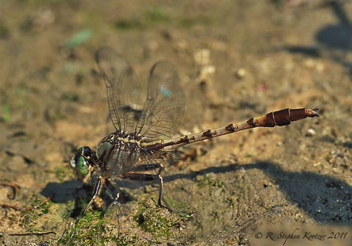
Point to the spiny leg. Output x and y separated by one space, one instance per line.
115 193
149 177
96 192
113 190
146 167
161 184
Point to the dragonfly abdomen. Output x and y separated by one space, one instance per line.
277 118
282 117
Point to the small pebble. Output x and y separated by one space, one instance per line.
320 67
207 70
310 132
184 132
310 63
202 57
181 45
241 73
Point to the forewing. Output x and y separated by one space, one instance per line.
165 103
122 87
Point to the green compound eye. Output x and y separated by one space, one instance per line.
82 166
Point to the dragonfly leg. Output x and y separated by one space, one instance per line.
146 167
149 177
96 191
115 193
161 184
113 190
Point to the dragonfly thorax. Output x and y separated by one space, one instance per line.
115 143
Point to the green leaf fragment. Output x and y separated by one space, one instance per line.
79 38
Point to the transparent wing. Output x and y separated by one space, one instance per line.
165 103
122 87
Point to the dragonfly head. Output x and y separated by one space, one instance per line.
81 162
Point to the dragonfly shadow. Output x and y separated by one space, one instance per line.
69 190
193 175
334 38
72 190
61 192
324 198
337 36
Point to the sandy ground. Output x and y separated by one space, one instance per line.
236 60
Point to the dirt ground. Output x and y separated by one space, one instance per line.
236 60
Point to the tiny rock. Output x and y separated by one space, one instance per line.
310 63
202 57
310 132
241 73
320 67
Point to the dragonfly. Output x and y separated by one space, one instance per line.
142 144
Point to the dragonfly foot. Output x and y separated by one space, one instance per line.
162 206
